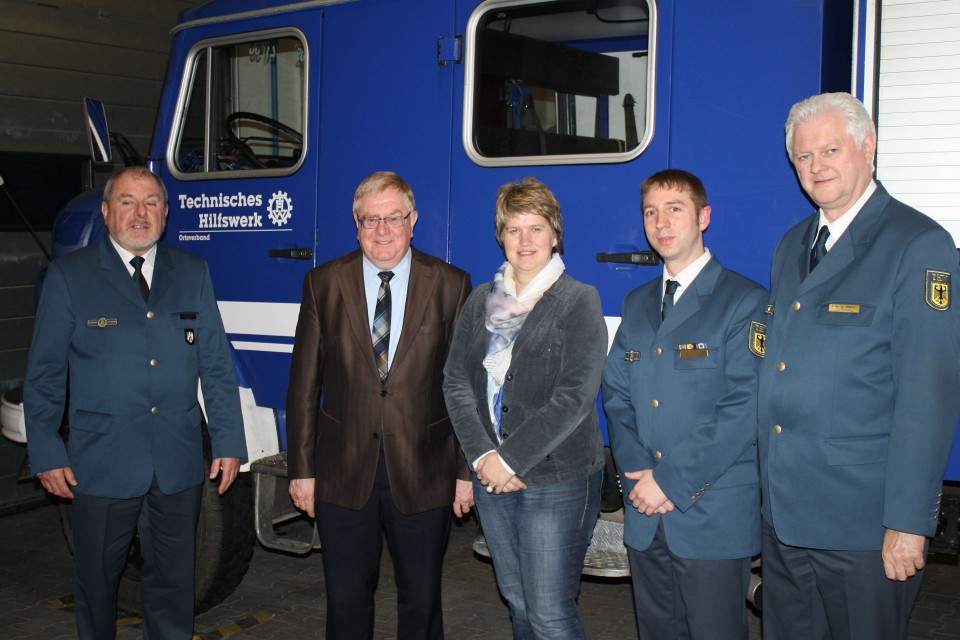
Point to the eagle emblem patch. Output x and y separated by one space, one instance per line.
758 338
938 290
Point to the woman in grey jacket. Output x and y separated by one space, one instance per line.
521 384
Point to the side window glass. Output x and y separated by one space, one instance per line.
243 107
559 82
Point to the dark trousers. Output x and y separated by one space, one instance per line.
820 594
684 599
351 541
102 531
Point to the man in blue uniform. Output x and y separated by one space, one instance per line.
858 397
135 325
679 389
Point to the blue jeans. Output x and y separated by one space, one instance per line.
537 538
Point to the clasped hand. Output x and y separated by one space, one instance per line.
492 473
646 496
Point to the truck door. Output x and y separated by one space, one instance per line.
386 94
238 136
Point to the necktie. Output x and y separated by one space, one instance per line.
819 247
381 324
137 262
668 298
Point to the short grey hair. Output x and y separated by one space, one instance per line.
139 173
859 123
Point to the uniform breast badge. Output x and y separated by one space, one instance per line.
101 323
189 336
631 356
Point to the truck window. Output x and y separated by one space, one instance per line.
242 107
559 82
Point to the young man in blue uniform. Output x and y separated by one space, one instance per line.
858 397
679 390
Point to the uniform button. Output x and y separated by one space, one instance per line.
781 366
154 410
655 404
376 436
658 351
777 428
153 362
796 305
509 376
657 455
505 409
506 435
149 314
383 393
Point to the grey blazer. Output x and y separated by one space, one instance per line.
550 422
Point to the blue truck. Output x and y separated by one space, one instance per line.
273 111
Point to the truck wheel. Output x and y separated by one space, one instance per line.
225 539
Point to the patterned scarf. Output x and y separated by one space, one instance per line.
506 312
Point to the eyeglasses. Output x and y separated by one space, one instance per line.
393 222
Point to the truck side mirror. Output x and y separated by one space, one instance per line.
98 133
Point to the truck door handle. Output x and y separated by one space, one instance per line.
299 253
646 258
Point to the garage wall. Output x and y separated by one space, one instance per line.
53 53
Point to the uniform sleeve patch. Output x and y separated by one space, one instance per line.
758 338
938 290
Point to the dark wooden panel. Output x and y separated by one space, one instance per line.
56 126
57 84
52 54
124 29
20 258
44 52
15 333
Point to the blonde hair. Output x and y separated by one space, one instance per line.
529 196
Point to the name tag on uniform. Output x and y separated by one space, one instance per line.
690 350
843 308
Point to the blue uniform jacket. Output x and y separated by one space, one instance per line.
858 396
680 399
133 371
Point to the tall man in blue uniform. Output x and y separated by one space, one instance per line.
679 389
858 398
133 325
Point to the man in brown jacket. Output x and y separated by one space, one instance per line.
380 453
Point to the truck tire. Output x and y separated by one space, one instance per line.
224 546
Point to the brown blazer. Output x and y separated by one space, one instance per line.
339 444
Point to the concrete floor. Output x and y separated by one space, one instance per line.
283 596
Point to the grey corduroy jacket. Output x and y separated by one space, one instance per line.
550 421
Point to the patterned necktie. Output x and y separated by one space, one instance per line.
819 247
668 298
381 324
137 262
